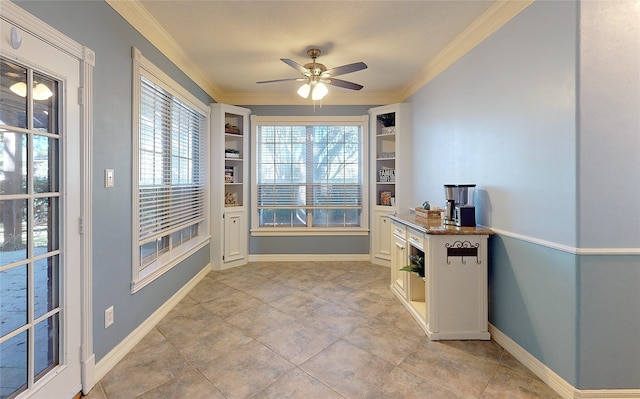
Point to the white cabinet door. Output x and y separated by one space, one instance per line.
234 237
381 238
399 258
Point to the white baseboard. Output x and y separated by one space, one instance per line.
549 377
119 351
309 257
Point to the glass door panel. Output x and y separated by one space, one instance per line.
30 228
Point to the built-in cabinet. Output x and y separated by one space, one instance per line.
450 301
229 185
390 141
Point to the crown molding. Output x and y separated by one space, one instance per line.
333 98
136 15
493 19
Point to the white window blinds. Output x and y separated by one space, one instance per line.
171 190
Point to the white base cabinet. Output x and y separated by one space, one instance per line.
450 302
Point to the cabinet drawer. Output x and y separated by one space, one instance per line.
416 239
399 231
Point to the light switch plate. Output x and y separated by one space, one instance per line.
108 178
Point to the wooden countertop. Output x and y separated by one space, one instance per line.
437 228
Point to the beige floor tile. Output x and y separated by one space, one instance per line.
385 341
187 322
96 393
298 303
334 319
189 384
401 384
297 342
354 280
218 340
507 360
348 370
456 370
398 316
260 320
509 384
368 304
232 304
246 370
270 291
142 371
330 291
485 350
297 385
209 289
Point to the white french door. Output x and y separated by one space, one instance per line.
40 213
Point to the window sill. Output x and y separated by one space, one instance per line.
305 231
150 273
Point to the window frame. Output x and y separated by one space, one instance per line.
363 122
142 275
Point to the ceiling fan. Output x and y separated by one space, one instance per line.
317 76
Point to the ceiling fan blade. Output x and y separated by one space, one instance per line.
343 84
295 66
282 80
344 69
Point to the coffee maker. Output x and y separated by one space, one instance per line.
459 209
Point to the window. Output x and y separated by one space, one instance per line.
169 173
309 176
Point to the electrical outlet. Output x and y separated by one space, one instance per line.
108 317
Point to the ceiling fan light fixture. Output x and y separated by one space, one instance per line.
319 91
304 90
316 76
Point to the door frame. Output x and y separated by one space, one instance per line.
23 21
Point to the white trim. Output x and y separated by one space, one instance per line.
87 356
126 345
549 377
567 248
309 258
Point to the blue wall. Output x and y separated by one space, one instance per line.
608 186
510 117
96 25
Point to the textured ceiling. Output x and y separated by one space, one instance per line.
227 46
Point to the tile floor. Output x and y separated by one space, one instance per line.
307 330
